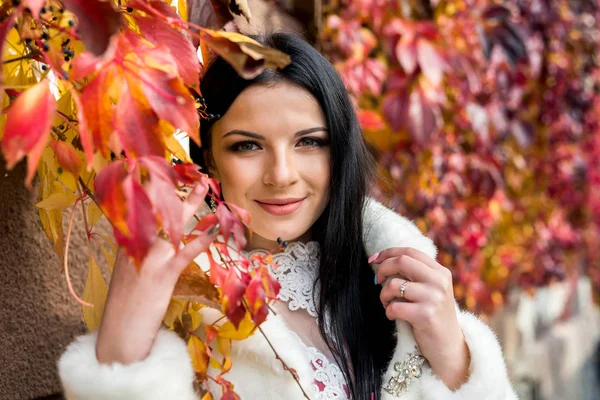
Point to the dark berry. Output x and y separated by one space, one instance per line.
51 8
45 36
71 22
285 244
44 67
46 47
279 240
43 10
67 58
129 9
16 2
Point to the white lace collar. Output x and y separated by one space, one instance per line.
297 268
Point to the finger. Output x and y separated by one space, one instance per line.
415 292
190 251
409 312
409 268
408 251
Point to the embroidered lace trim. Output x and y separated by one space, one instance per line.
296 271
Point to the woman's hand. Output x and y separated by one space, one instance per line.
137 302
427 303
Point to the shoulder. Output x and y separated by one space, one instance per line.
384 228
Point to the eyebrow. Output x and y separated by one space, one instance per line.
261 137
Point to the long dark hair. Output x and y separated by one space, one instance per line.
351 318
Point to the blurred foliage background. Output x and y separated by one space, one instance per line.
483 116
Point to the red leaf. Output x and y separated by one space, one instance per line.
233 289
171 101
27 127
188 173
110 194
97 109
231 224
370 120
242 214
138 127
177 43
256 298
207 222
218 273
98 22
84 132
66 156
431 62
141 222
423 117
406 53
395 108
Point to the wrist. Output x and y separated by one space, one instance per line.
454 367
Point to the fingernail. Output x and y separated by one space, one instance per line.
375 279
373 257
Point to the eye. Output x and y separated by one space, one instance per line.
311 142
245 146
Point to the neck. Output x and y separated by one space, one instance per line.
256 241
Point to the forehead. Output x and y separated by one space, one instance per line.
282 107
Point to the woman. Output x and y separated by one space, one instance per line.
286 146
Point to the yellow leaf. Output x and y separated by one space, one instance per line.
174 311
51 220
66 178
207 396
57 201
183 11
223 345
197 351
95 292
196 319
174 147
94 213
248 57
246 329
110 257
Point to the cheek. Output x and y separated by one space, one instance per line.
236 176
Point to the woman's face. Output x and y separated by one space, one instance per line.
271 155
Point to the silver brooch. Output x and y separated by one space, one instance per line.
406 371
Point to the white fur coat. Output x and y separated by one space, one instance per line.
167 372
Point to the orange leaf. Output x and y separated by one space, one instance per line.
28 126
171 101
98 22
138 127
97 111
110 194
177 43
67 156
370 120
197 350
233 289
194 285
248 57
141 222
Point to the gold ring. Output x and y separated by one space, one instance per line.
403 289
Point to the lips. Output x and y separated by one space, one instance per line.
280 206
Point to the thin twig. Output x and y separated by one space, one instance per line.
66 260
25 57
292 372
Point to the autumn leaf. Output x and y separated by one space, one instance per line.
194 285
256 298
95 293
94 214
197 350
431 62
98 22
58 201
177 43
370 120
214 14
230 224
232 290
109 193
248 57
174 310
96 109
171 101
28 126
67 156
245 329
141 222
138 126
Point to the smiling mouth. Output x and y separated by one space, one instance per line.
280 206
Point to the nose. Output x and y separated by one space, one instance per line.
281 169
